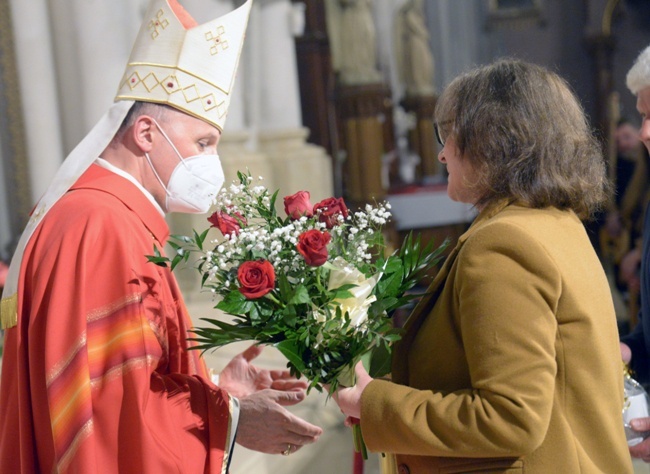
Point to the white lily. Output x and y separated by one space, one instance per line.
343 273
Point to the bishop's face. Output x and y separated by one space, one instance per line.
190 137
643 106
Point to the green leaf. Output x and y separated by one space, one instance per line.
243 179
160 261
380 361
157 258
301 296
290 350
200 238
390 285
234 303
272 205
342 294
284 286
394 264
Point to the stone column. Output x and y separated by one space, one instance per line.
37 85
296 164
237 144
92 42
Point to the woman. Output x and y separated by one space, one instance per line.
511 362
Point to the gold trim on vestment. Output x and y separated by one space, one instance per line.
9 311
85 431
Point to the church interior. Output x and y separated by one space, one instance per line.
336 97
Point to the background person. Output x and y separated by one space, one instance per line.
635 346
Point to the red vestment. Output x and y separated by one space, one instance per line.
96 376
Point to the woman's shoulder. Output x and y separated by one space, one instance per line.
527 219
517 224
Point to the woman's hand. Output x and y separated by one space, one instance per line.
349 399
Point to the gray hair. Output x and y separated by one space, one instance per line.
639 75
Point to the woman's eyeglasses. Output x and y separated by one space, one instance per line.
436 127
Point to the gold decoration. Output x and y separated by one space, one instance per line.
172 85
9 311
159 22
218 40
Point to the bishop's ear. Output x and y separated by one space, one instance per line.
143 131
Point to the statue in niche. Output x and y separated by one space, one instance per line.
412 49
357 48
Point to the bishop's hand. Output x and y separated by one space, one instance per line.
240 378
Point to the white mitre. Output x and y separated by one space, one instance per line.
175 62
639 75
187 66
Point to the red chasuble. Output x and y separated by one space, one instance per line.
96 376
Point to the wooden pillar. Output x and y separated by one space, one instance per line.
364 112
602 49
422 138
316 77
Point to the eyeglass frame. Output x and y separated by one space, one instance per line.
436 128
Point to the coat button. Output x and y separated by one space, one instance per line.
403 469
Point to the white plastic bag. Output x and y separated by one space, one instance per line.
637 405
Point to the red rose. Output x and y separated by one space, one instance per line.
298 205
256 278
313 246
329 209
227 223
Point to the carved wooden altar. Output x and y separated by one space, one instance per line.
364 113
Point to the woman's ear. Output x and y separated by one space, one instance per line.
142 133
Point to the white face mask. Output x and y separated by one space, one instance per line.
193 184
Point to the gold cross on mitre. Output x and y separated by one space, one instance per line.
217 40
159 22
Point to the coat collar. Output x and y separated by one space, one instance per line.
104 180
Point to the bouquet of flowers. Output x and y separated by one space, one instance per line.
317 283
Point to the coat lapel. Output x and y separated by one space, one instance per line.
427 302
417 317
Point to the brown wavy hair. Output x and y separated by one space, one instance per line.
527 137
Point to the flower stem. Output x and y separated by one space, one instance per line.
274 299
359 443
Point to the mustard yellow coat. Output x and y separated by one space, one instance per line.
512 363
